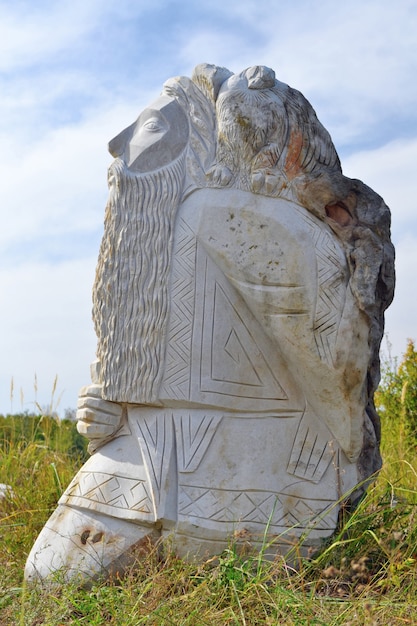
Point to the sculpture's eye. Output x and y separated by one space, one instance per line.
154 125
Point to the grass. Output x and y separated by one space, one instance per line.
367 574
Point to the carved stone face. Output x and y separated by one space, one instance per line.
157 138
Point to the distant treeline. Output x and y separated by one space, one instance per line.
47 431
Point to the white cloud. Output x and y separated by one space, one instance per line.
401 317
354 61
54 191
390 171
61 103
30 32
46 330
58 184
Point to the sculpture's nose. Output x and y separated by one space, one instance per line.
117 145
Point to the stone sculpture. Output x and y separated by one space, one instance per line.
239 307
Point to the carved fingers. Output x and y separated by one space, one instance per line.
98 419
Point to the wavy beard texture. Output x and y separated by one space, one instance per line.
131 289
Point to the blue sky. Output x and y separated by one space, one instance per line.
73 73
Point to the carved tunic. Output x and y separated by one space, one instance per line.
227 379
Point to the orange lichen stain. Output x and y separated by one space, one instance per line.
292 163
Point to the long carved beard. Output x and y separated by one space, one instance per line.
130 295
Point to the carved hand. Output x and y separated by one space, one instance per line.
97 419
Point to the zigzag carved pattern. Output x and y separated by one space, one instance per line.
331 292
254 507
116 491
176 381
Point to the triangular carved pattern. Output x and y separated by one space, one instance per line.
176 382
243 370
331 291
116 491
194 435
222 506
156 440
222 303
311 453
311 514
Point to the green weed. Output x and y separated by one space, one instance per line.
365 575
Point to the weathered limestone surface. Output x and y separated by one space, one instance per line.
238 304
